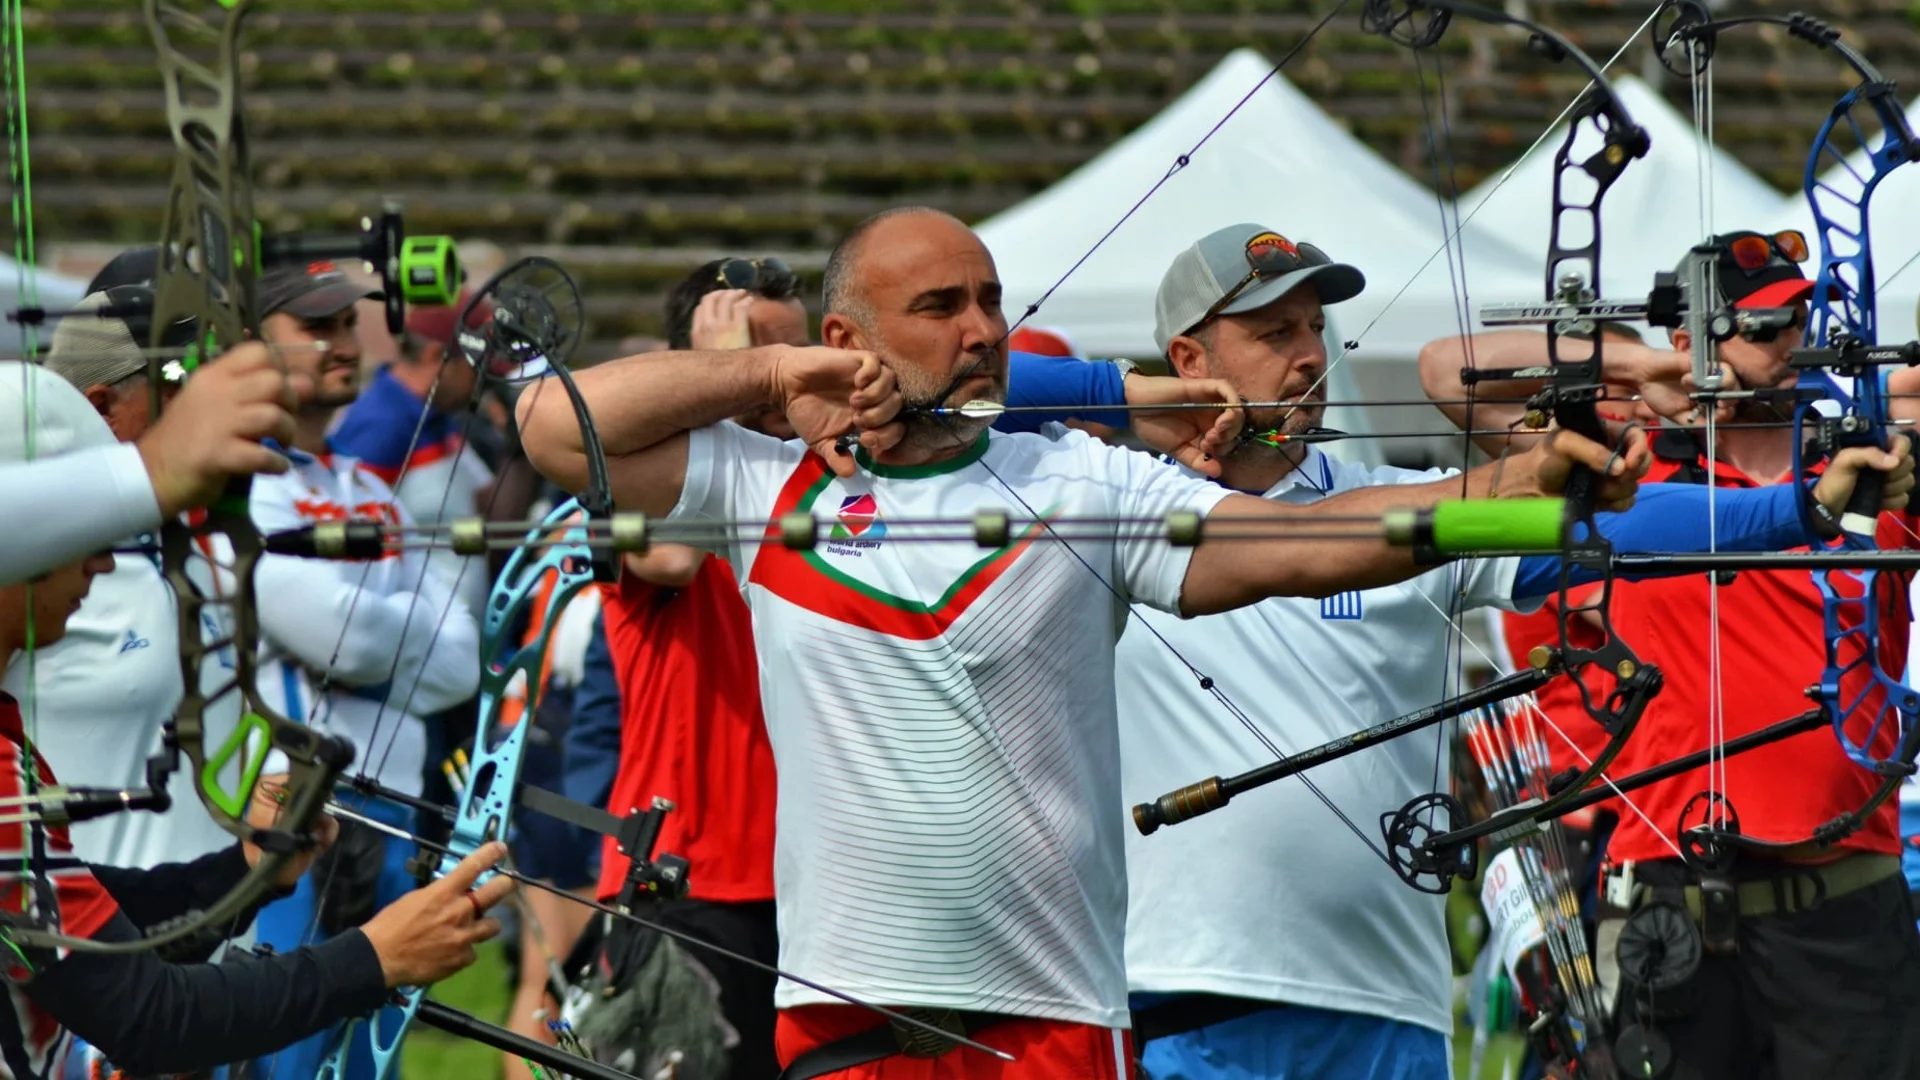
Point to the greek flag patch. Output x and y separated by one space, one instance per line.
1344 605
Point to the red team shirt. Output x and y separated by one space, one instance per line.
84 904
691 730
1771 649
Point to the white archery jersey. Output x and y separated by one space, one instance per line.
1273 897
943 717
101 695
359 649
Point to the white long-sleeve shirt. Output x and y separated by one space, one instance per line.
359 649
103 495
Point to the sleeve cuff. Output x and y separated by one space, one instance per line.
1109 388
362 984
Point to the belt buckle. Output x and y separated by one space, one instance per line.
915 1042
1719 914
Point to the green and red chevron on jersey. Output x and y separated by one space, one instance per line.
806 579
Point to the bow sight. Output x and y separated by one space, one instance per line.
420 270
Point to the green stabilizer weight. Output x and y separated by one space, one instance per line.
1466 526
429 271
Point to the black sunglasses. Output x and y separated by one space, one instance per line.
1270 255
768 276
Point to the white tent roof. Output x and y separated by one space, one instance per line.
1651 213
1279 161
1893 230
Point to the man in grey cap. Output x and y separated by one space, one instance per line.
1357 982
310 315
105 357
1233 307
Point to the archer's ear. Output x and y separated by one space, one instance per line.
1682 341
839 332
100 396
1187 358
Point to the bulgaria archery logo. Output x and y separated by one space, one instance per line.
858 527
859 519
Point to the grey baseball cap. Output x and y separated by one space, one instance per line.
1207 271
313 291
103 349
94 350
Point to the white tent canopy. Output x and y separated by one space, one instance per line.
1893 229
1652 212
1281 162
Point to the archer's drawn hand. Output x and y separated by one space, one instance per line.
1194 437
211 430
720 321
1844 468
1544 470
826 393
430 933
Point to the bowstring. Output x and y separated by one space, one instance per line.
27 293
1445 188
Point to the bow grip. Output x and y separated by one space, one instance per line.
1862 516
1861 519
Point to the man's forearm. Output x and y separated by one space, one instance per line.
150 1017
640 401
1310 550
1442 363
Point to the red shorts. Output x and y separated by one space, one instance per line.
1042 1049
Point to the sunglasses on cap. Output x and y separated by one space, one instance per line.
1269 255
1755 253
768 275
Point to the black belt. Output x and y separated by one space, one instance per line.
888 1040
1191 1012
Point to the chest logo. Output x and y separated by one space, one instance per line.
857 527
859 517
1344 605
133 641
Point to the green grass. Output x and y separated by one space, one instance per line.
1503 1053
481 990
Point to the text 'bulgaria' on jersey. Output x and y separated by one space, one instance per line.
943 717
